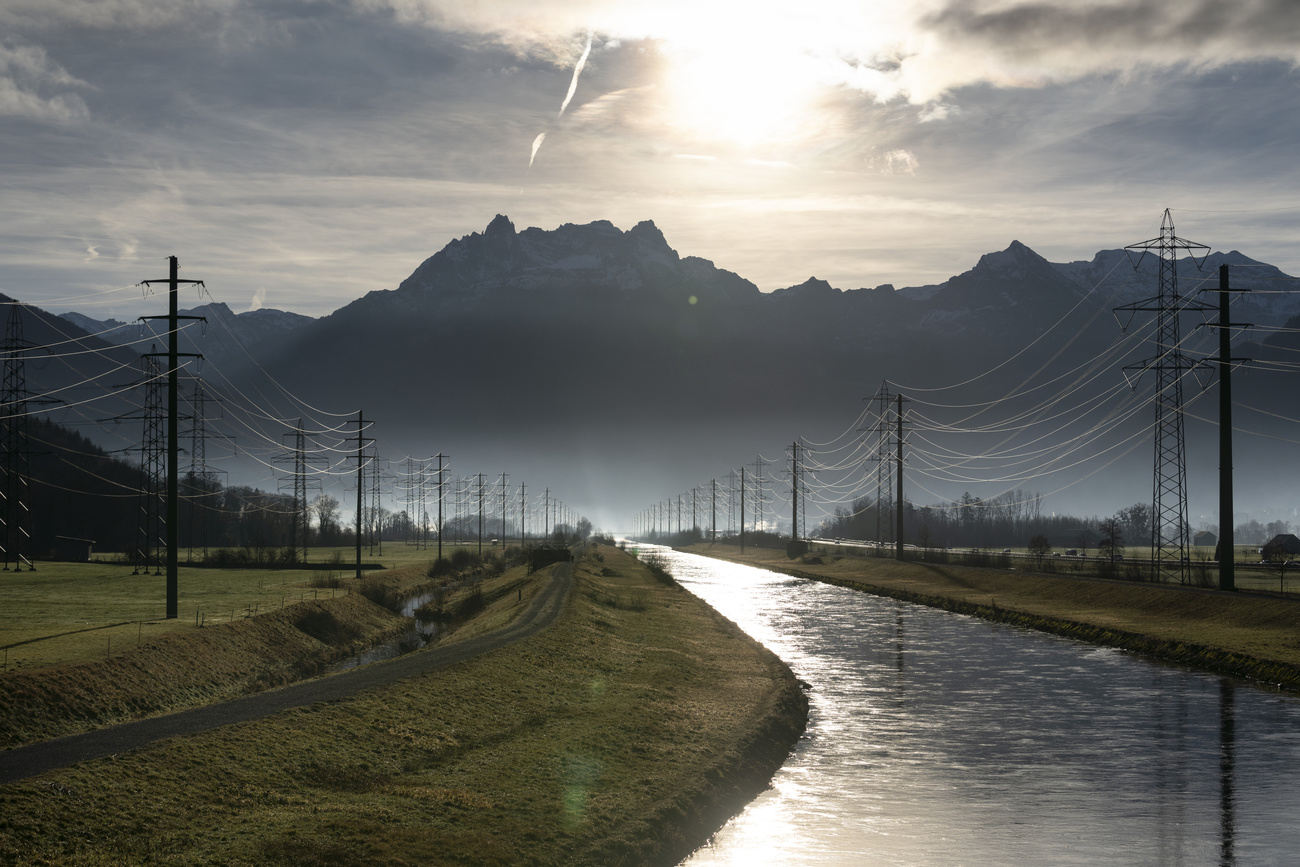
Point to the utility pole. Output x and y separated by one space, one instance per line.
440 456
173 318
1169 528
546 513
503 512
362 441
713 535
884 522
376 508
199 473
17 533
481 493
898 538
794 491
149 522
742 509
1227 552
523 514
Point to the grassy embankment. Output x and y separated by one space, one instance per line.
77 612
159 667
1243 635
625 733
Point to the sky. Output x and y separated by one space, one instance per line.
297 154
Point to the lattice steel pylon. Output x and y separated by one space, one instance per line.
798 490
150 531
883 459
376 522
298 517
15 403
1169 527
200 478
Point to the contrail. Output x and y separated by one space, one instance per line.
573 86
537 145
577 70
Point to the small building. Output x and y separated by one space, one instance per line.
1205 539
1287 543
72 550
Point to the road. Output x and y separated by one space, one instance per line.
23 762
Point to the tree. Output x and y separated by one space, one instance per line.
1135 521
1039 548
326 510
1110 546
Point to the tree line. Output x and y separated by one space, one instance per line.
1010 520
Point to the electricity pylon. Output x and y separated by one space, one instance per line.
1169 528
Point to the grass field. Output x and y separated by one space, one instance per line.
73 612
624 734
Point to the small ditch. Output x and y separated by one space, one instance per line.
414 638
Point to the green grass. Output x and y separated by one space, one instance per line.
624 734
74 612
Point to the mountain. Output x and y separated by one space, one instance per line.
225 338
605 359
67 371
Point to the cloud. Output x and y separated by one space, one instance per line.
918 50
26 77
1032 44
898 161
259 299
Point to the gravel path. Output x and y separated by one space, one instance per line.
28 761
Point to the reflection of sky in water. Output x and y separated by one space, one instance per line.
937 739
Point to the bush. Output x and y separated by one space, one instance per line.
463 559
377 592
658 567
326 628
329 579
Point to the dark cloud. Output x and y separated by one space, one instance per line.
1144 29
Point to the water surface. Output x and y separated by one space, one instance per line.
939 739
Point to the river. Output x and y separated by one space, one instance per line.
939 739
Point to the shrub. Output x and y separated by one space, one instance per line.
377 592
463 559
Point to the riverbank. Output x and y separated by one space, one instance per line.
625 733
1242 635
188 667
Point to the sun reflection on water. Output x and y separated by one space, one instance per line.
938 739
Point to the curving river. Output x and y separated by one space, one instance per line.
939 739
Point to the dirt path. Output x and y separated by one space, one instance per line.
28 761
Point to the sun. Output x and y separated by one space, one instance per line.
749 88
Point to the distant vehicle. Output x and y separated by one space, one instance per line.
1006 550
1072 552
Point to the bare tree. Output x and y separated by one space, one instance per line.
1039 548
326 510
1110 547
